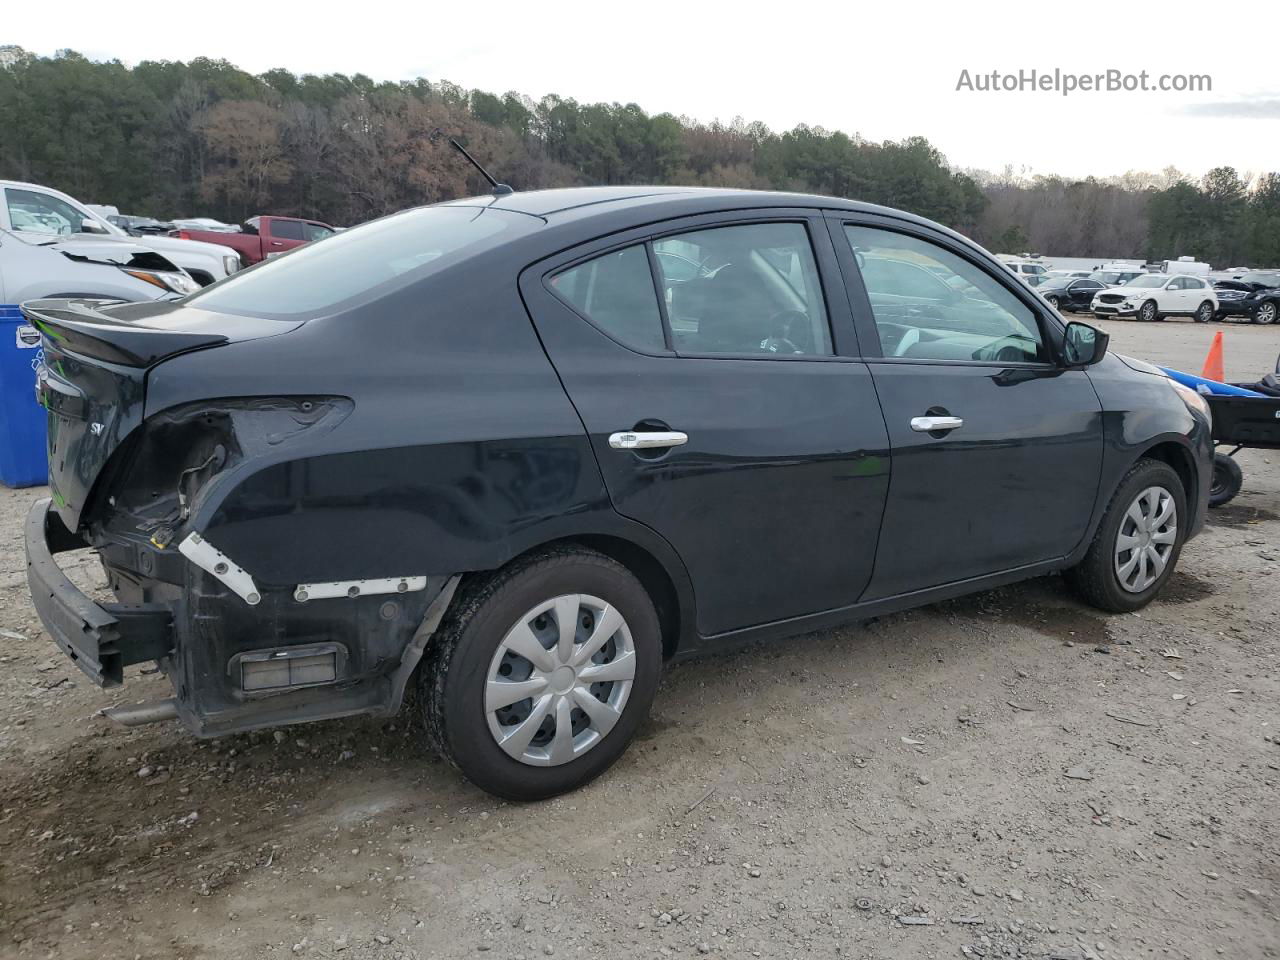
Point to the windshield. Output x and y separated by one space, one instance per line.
1148 280
36 212
359 264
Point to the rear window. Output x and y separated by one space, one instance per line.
358 264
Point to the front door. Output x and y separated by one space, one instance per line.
716 377
1081 293
997 450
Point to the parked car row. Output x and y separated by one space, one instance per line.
1154 296
35 211
52 245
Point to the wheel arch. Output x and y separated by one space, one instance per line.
670 591
1178 456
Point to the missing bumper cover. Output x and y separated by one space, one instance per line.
212 560
309 666
358 588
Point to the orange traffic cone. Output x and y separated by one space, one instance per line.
1213 362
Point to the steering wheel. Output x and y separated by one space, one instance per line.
909 340
779 345
786 323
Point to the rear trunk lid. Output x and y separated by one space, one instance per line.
92 378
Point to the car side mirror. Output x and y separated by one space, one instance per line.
91 226
1083 345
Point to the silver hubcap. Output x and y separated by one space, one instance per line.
1145 542
1148 311
560 680
1267 313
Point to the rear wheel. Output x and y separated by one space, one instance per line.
1148 311
1266 313
1137 544
542 672
1228 478
1204 312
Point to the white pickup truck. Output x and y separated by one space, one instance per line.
30 209
34 267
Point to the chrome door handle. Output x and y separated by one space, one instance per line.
647 439
930 424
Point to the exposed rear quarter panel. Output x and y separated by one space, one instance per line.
461 450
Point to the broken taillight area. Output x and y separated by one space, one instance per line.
158 480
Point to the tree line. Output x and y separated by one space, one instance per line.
171 139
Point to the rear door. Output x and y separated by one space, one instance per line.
719 341
1195 292
997 451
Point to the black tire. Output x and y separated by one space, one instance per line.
1204 312
1052 301
1147 312
1228 478
1266 313
452 683
1094 579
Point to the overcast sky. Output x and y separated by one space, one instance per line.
885 71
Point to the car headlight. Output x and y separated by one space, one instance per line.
178 283
231 263
1192 399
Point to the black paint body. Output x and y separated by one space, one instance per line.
459 422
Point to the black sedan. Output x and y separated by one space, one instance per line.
1065 293
1254 295
494 449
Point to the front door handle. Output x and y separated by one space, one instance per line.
931 424
647 439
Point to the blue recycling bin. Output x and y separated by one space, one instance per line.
23 422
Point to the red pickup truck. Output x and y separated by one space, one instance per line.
263 237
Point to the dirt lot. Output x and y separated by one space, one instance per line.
1002 776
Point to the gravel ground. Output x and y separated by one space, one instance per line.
1006 775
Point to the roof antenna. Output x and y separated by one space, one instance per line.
499 189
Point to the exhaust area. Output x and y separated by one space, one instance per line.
139 714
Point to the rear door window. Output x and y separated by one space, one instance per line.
742 290
616 293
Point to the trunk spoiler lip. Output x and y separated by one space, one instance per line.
80 327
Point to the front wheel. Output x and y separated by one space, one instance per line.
1148 311
1204 312
1053 301
1228 478
1137 543
1266 313
542 672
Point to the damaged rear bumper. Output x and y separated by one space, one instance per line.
102 639
237 659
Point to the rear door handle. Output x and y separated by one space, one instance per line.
647 439
930 424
